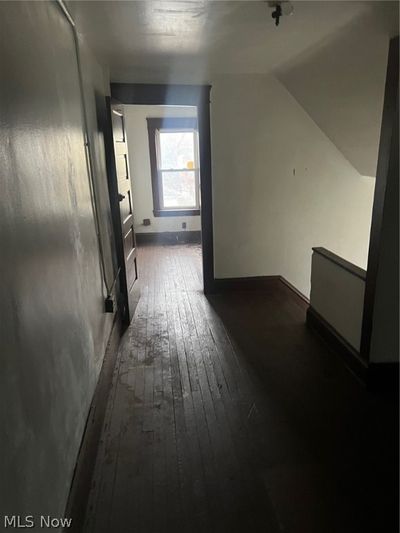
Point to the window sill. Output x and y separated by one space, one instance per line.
176 212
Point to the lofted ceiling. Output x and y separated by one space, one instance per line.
193 41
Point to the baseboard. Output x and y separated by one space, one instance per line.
255 283
296 291
82 478
350 356
169 237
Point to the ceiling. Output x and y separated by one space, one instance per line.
194 41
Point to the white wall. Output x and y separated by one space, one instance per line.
139 163
340 84
280 185
53 328
338 296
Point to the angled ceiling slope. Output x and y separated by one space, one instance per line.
340 83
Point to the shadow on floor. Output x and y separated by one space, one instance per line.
330 446
227 415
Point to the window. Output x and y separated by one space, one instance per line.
174 161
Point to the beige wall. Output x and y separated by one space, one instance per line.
341 85
139 163
280 185
53 328
338 296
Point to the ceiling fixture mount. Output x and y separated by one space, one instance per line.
279 9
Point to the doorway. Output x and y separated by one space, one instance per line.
164 164
198 99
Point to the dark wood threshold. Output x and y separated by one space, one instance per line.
176 212
346 265
82 478
169 237
350 356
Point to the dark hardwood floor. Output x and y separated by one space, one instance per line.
228 415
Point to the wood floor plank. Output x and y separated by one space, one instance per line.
227 416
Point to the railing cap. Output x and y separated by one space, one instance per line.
346 265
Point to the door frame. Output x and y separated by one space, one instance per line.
185 95
390 117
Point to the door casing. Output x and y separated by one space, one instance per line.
199 97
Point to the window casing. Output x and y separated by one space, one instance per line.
175 169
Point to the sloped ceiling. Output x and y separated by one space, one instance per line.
340 83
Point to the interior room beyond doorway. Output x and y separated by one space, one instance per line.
165 170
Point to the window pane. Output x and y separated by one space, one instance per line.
177 149
179 189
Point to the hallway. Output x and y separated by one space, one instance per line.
132 131
227 414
